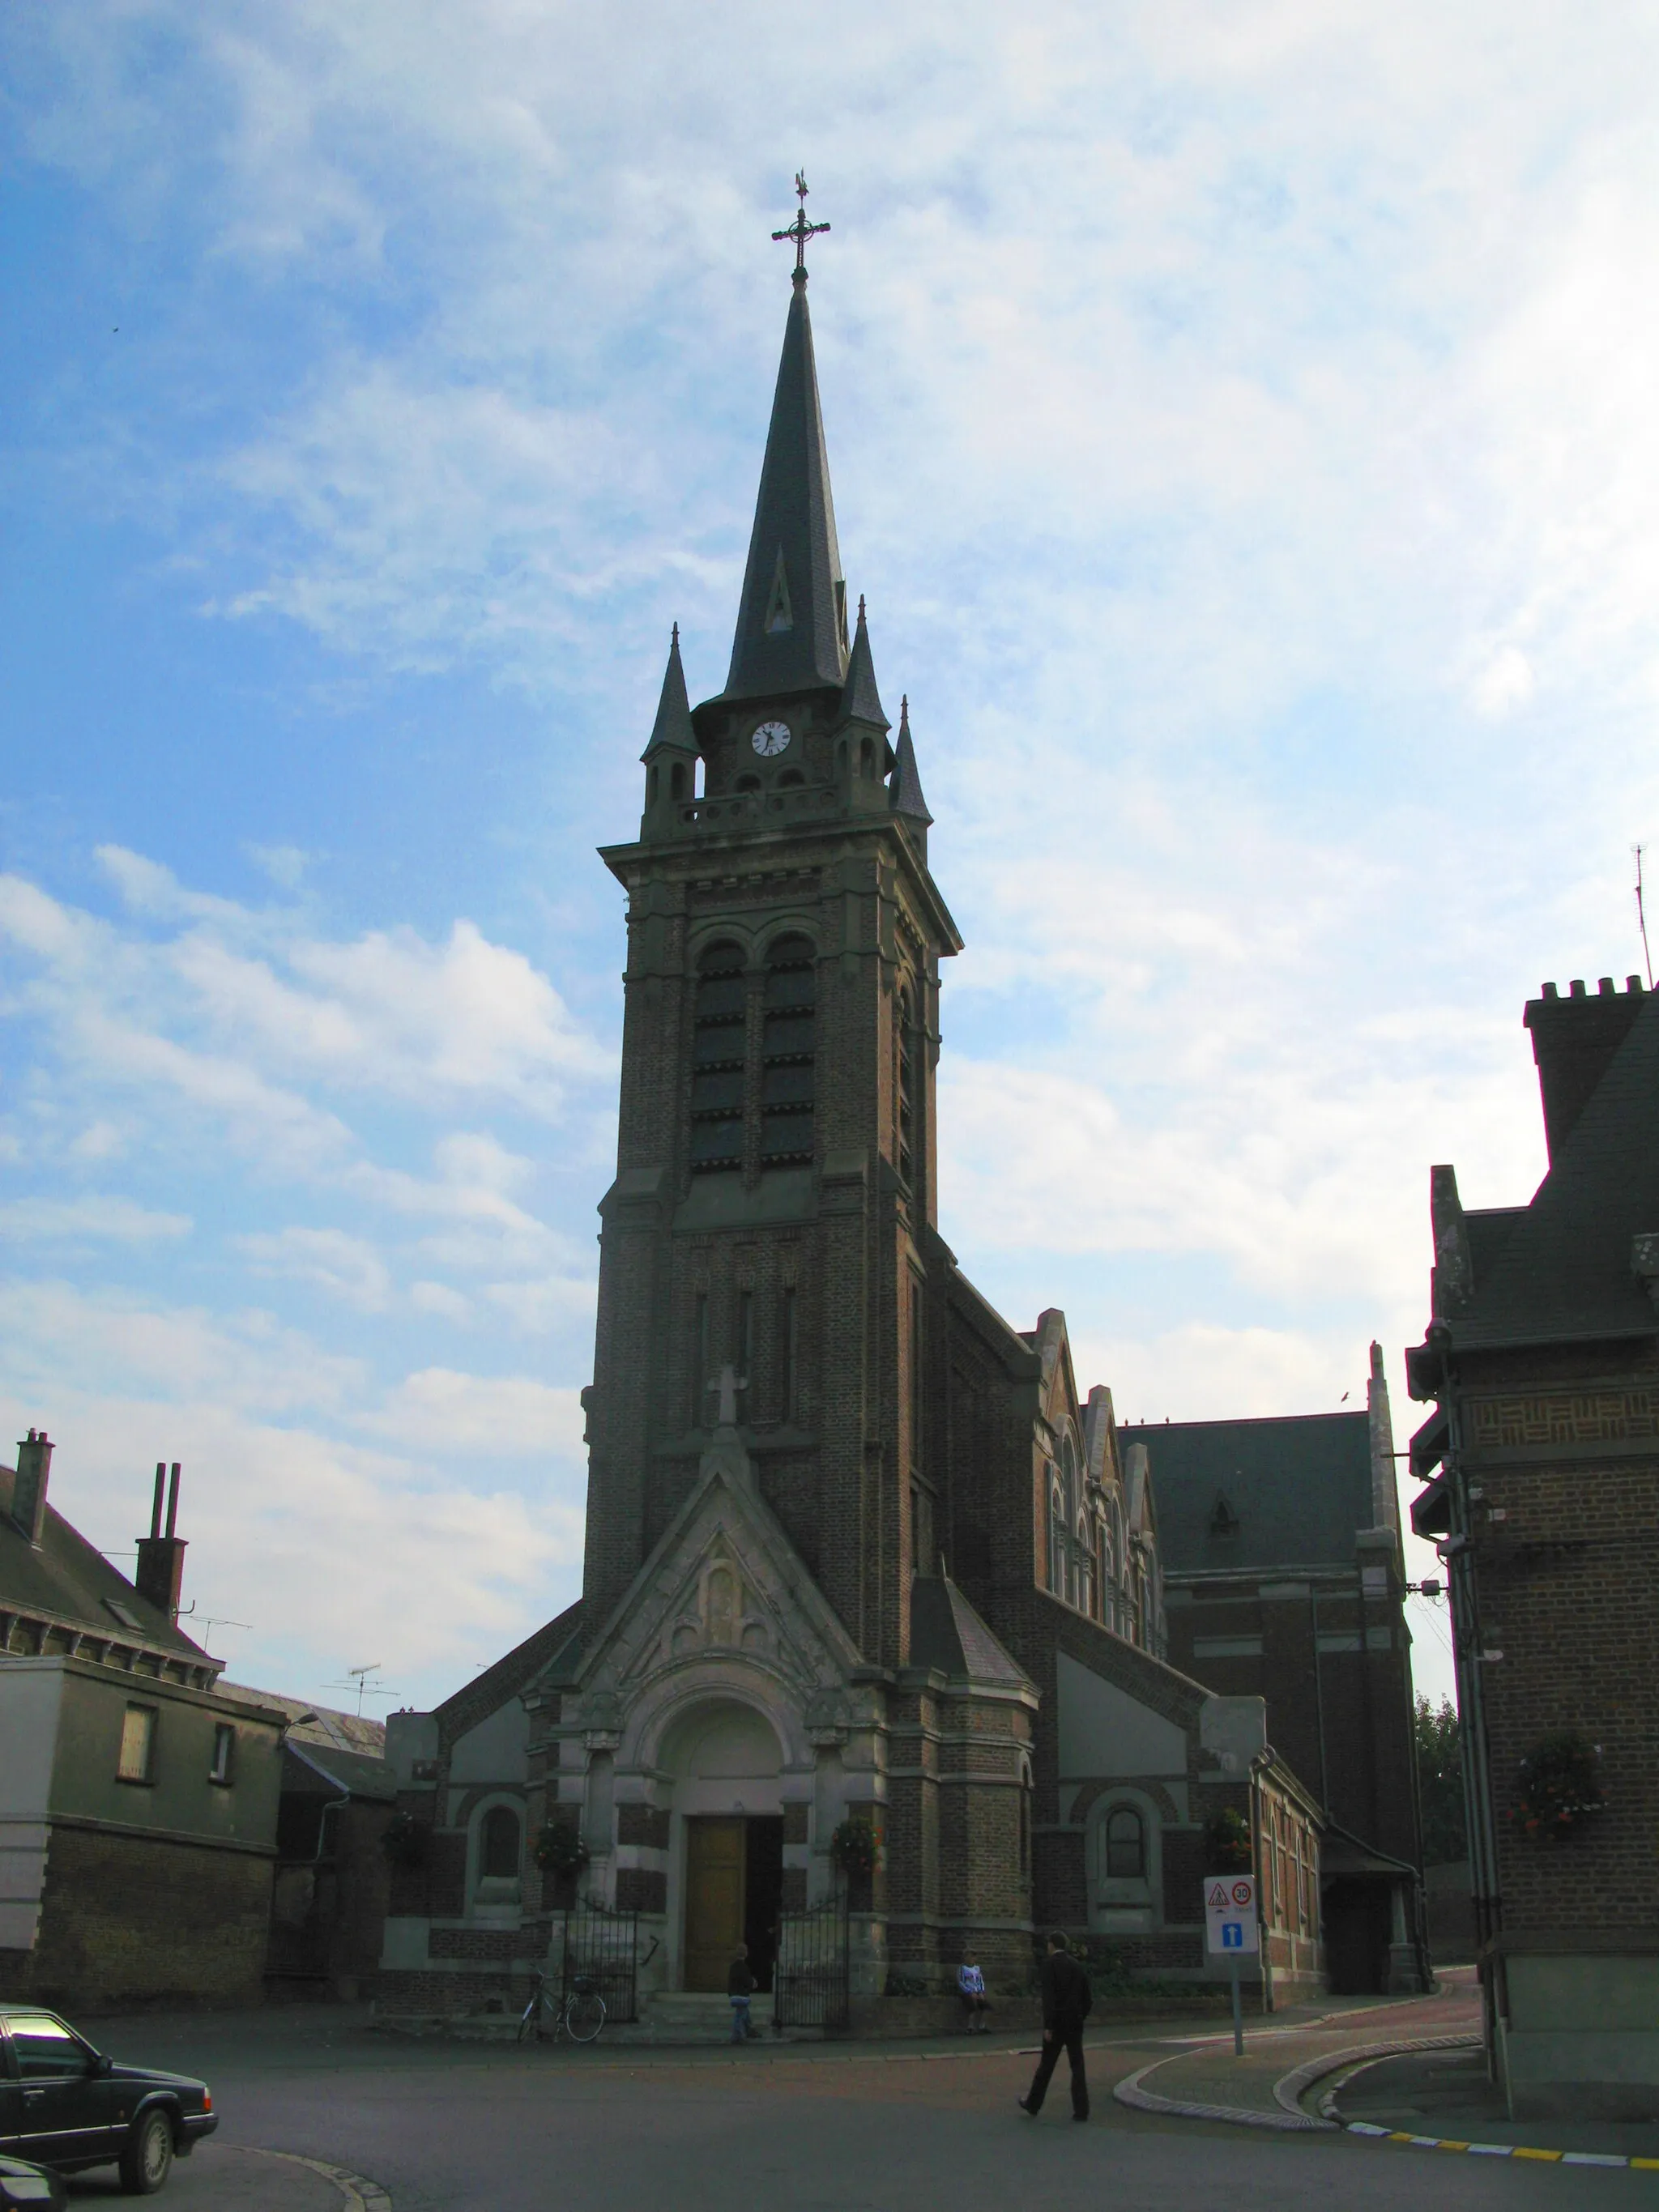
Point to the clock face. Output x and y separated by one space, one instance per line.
771 738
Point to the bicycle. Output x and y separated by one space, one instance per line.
580 2016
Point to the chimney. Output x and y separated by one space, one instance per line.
28 1490
1573 1041
160 1571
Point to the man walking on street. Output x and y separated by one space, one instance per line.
1066 1998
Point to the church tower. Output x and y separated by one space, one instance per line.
775 1177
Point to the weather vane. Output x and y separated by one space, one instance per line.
800 230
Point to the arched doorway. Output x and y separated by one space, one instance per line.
727 1766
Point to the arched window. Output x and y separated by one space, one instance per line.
787 1081
906 1086
1126 1845
1056 1532
651 788
498 1844
677 780
719 1051
1071 1588
1085 1568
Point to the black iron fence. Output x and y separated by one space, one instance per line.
602 1946
809 1982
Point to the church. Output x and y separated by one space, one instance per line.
868 1666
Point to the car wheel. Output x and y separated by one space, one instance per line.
148 2159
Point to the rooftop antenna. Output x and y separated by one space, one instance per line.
1641 917
358 1680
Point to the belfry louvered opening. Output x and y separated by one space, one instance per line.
720 1050
788 1043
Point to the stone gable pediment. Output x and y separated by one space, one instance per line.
725 1582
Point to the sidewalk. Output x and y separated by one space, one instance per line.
221 2177
1207 2081
1447 2094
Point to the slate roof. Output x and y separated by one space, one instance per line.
311 1771
906 786
948 1635
69 1580
1561 1271
1299 1490
673 724
860 701
487 1693
320 1728
794 520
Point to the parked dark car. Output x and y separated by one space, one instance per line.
66 2105
30 2188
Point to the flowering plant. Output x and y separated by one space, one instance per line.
1561 1786
404 1839
559 1851
853 1847
1227 1842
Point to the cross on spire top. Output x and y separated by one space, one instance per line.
800 230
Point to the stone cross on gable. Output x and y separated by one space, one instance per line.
728 1383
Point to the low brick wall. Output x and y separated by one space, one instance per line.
128 1922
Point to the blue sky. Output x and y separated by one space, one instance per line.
1241 429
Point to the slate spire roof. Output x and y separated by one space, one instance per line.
673 724
792 620
906 786
860 701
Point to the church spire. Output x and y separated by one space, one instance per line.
860 701
906 784
792 620
673 724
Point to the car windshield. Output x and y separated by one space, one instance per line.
45 2046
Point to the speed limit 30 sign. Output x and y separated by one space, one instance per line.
1229 1926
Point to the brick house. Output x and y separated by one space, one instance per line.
856 1547
336 1797
1542 1456
137 1806
1284 1579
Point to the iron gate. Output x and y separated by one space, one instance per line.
810 1983
603 1947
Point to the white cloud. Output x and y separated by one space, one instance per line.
498 1417
346 1266
90 1216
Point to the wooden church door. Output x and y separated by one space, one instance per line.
714 1865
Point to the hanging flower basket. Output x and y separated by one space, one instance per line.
404 1840
853 1848
1560 1787
1227 1842
560 1851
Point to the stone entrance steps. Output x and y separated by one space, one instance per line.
695 2016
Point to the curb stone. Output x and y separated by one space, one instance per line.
360 2195
1290 2119
1367 2128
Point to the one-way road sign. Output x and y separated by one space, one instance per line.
1230 1916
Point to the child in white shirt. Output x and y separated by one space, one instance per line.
970 1985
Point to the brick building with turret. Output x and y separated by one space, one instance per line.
858 1551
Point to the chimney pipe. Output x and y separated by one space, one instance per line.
28 1490
160 1574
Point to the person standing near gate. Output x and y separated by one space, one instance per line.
740 1987
1066 1998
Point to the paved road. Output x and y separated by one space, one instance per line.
471 2128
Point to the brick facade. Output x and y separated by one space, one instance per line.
1542 1359
129 1920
